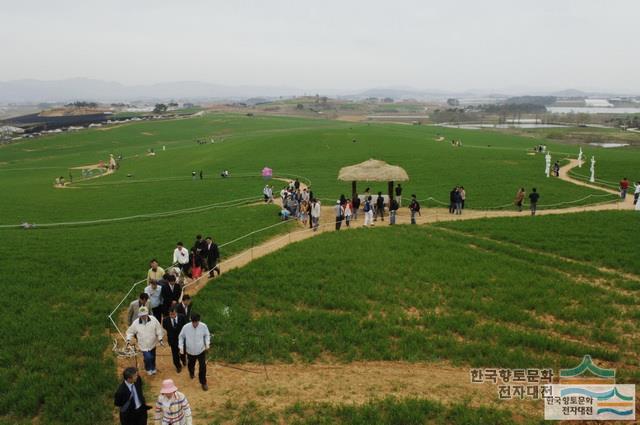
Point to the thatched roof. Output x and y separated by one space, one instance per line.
373 171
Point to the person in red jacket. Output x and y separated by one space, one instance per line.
624 186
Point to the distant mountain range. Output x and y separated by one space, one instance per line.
97 90
37 91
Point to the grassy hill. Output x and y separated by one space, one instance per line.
360 289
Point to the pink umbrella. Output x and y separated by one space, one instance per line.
267 173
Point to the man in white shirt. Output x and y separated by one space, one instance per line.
195 339
315 213
154 290
148 332
181 257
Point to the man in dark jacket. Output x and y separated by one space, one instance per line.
379 207
212 254
130 399
452 200
399 194
199 246
173 325
185 307
414 206
393 210
356 206
533 200
171 292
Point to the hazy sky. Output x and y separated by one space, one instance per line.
456 44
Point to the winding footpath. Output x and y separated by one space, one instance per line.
277 386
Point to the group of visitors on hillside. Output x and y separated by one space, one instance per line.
457 196
163 312
171 407
348 210
534 196
624 188
298 203
374 210
203 256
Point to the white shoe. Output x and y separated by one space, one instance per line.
153 372
149 372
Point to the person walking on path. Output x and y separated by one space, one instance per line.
172 407
519 199
457 196
556 169
181 257
339 214
624 187
315 214
393 211
132 312
347 212
194 340
414 207
171 292
129 399
185 307
154 290
148 332
173 324
463 196
356 207
399 194
452 200
533 200
379 207
636 193
304 212
155 271
368 211
211 253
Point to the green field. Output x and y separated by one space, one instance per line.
498 304
356 304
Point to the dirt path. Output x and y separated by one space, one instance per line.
280 385
277 387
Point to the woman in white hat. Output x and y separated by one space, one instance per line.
172 407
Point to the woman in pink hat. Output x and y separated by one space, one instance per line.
172 407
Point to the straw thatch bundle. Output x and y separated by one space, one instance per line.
373 171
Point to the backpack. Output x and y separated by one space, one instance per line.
416 206
367 206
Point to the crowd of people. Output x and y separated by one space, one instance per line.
163 309
300 203
457 196
297 203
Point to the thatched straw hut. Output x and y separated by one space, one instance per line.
373 171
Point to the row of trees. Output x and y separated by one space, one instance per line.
626 121
81 104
